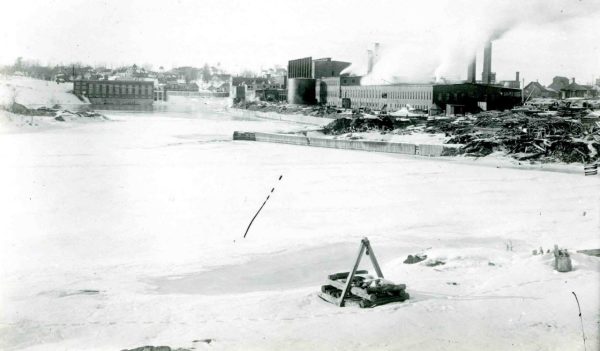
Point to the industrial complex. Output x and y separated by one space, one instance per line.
469 96
323 81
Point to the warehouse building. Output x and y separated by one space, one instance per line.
348 95
435 98
117 92
474 97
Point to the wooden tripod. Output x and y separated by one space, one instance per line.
365 245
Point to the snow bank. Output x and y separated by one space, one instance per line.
16 123
34 92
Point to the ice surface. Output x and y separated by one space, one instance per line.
129 232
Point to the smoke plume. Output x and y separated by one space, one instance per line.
445 51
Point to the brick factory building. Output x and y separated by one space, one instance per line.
472 97
117 92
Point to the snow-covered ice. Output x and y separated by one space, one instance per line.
129 232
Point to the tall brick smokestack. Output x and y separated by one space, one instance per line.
471 70
486 75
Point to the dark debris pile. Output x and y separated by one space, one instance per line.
565 136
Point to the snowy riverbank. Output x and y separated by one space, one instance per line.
35 93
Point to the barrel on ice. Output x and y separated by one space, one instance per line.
301 91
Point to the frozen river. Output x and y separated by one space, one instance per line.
128 232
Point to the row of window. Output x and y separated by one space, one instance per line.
377 94
119 89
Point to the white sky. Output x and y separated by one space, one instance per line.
562 38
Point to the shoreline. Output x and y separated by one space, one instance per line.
405 150
297 118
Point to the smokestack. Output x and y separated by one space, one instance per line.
376 53
369 61
517 77
486 75
471 71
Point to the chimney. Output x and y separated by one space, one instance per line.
471 70
573 80
369 61
376 53
486 75
517 77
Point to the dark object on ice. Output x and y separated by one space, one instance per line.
359 288
244 136
562 260
208 341
434 263
261 207
155 348
415 259
59 118
452 283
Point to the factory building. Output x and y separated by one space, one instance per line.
303 74
347 92
329 89
418 96
473 98
320 81
117 92
463 97
318 68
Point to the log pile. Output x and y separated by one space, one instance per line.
365 290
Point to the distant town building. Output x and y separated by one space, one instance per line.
182 87
558 83
117 92
261 88
536 90
160 93
515 84
575 90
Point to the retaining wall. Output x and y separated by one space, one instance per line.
281 138
365 145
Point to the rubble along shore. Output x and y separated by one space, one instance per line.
532 138
16 117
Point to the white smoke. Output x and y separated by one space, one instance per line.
468 25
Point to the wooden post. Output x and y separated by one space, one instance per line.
371 254
351 275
